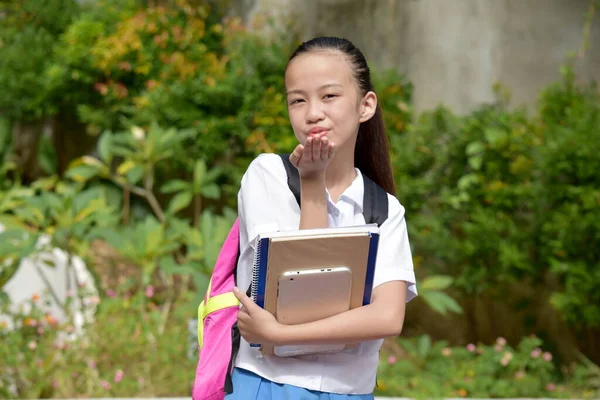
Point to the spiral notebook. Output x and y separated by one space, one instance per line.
278 252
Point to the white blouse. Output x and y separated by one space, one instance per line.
265 204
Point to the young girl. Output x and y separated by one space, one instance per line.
335 116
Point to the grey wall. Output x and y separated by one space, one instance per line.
452 50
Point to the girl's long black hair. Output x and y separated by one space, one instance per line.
371 154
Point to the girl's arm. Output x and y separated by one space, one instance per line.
313 213
382 318
311 159
394 285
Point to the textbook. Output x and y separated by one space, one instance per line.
283 251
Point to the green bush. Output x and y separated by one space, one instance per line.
569 197
28 33
498 196
420 368
123 353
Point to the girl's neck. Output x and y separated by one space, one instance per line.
340 172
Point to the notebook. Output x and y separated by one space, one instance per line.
278 252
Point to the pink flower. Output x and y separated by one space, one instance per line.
74 374
471 347
498 348
38 363
111 293
391 360
105 384
40 330
92 364
550 387
118 376
501 341
447 352
506 358
54 384
58 344
149 291
547 356
32 345
520 374
536 352
69 293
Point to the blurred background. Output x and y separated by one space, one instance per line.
126 125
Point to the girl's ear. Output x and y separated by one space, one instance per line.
368 105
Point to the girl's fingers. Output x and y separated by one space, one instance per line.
296 155
331 151
324 154
316 150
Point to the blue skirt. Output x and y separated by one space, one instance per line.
249 386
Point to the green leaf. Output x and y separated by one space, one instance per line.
476 162
495 137
82 173
475 148
168 265
155 234
437 282
201 282
441 302
199 175
179 202
135 174
211 191
424 345
104 147
173 186
47 155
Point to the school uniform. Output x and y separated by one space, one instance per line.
265 204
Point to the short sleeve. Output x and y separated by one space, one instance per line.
394 256
262 196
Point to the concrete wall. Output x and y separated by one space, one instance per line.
452 50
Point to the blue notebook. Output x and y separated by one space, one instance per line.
280 252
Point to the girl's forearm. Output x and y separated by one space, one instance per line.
313 197
357 325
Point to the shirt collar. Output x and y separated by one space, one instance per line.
355 192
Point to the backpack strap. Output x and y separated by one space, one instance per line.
375 201
293 178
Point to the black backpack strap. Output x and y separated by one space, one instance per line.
375 202
293 178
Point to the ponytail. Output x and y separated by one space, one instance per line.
372 154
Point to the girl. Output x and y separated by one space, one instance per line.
334 113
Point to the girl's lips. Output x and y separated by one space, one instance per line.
318 131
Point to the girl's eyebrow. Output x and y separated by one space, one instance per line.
327 85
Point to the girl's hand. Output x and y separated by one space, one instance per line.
314 156
256 325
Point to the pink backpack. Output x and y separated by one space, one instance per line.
218 335
217 315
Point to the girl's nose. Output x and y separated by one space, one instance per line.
314 113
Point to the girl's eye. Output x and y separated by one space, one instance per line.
296 101
330 96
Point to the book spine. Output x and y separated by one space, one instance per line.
256 270
372 259
259 275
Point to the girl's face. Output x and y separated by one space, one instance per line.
323 98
